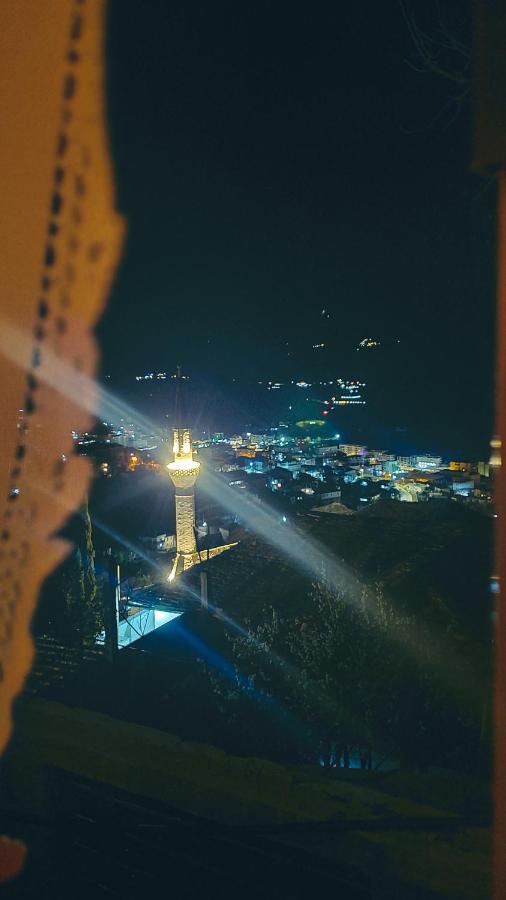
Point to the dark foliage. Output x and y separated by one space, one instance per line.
70 605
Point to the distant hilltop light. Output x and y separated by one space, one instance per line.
368 343
158 376
310 423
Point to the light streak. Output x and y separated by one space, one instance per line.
306 553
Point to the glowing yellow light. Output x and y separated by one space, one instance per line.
183 465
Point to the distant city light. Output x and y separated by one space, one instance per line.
367 343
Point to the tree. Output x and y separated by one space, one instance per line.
70 606
313 667
359 673
442 48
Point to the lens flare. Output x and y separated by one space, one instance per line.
306 554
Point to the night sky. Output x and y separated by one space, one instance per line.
275 159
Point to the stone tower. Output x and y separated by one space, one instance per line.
184 471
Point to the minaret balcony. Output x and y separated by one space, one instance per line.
184 472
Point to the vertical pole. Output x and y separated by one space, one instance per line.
500 623
111 608
117 596
203 589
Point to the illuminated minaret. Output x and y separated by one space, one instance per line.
184 471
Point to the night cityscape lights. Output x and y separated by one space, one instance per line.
252 618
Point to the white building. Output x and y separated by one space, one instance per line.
258 440
428 462
353 449
423 461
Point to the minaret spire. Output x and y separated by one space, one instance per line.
177 402
184 471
